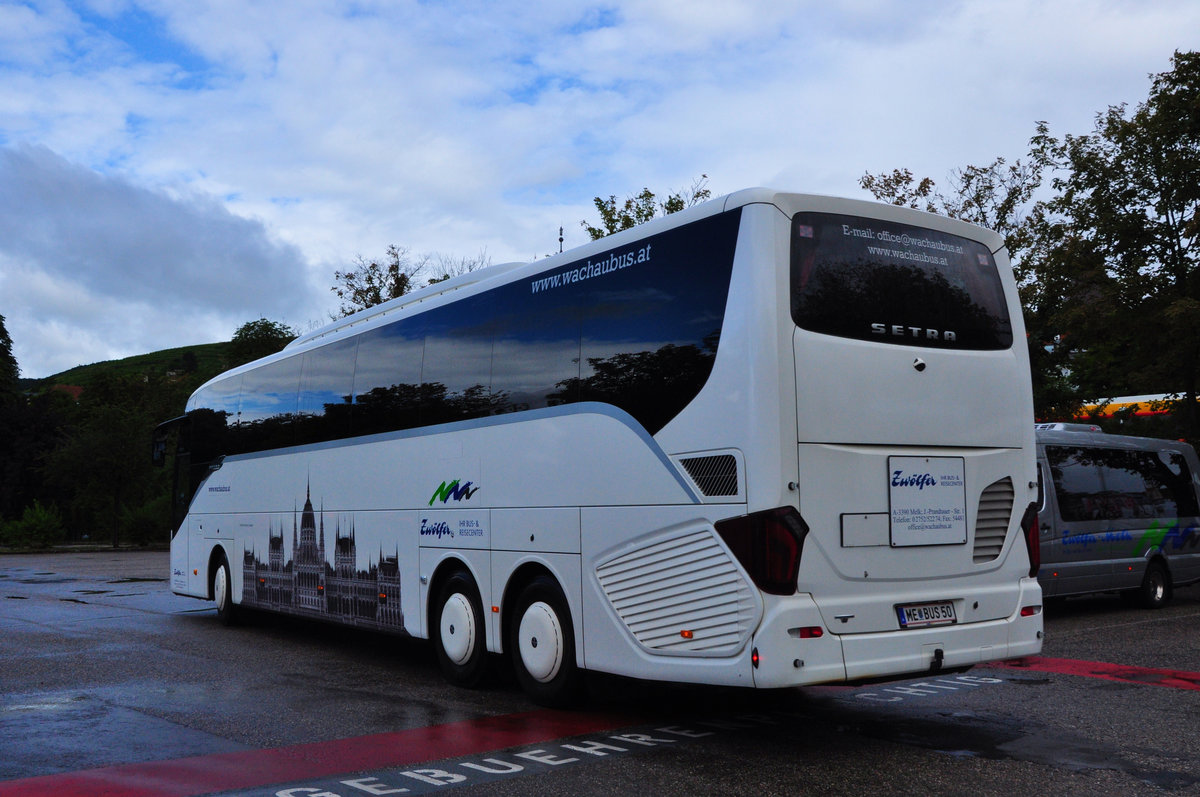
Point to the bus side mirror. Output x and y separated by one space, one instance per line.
158 448
158 452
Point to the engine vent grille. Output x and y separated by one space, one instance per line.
991 525
714 475
682 583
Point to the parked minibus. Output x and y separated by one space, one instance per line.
1116 513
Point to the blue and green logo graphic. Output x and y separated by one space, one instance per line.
459 492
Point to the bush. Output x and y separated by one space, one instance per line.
148 523
38 527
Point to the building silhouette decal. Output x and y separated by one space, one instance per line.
309 584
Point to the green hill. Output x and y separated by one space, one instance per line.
204 361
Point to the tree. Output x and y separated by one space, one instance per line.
259 338
642 207
1000 196
372 282
443 267
1131 192
10 374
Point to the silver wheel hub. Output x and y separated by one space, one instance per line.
220 588
457 628
540 642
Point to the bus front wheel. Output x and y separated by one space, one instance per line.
542 645
222 591
461 646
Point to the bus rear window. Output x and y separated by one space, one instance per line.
881 281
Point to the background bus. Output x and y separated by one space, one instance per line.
774 439
1117 513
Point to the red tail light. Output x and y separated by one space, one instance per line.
768 545
1029 527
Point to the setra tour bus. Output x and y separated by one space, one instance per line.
774 439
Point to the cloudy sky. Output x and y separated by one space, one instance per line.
170 169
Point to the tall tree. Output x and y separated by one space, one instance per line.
642 207
1131 191
10 374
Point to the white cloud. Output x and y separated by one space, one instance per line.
107 266
295 135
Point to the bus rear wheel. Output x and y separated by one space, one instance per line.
542 645
460 642
222 591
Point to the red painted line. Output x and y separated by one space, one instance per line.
255 768
1176 679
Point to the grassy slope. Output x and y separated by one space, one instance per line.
210 360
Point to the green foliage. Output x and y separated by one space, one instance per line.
10 374
1129 197
372 282
38 527
88 458
148 523
259 338
204 360
642 207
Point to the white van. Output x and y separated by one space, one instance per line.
1116 513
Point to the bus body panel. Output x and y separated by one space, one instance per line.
909 406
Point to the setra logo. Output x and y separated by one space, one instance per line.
454 490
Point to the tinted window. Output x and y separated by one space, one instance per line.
874 280
268 408
1119 484
456 375
533 355
387 378
636 327
326 393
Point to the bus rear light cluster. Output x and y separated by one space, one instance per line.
1029 527
768 545
1030 611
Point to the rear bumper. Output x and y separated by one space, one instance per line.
786 660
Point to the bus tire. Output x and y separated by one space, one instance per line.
222 591
542 645
1155 588
460 635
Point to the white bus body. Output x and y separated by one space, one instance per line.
632 458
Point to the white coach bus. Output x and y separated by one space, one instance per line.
771 440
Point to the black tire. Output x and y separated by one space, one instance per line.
541 643
1155 588
459 633
222 591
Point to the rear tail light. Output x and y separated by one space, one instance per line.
1029 527
768 545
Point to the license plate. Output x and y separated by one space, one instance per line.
919 615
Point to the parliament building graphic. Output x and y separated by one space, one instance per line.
308 584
